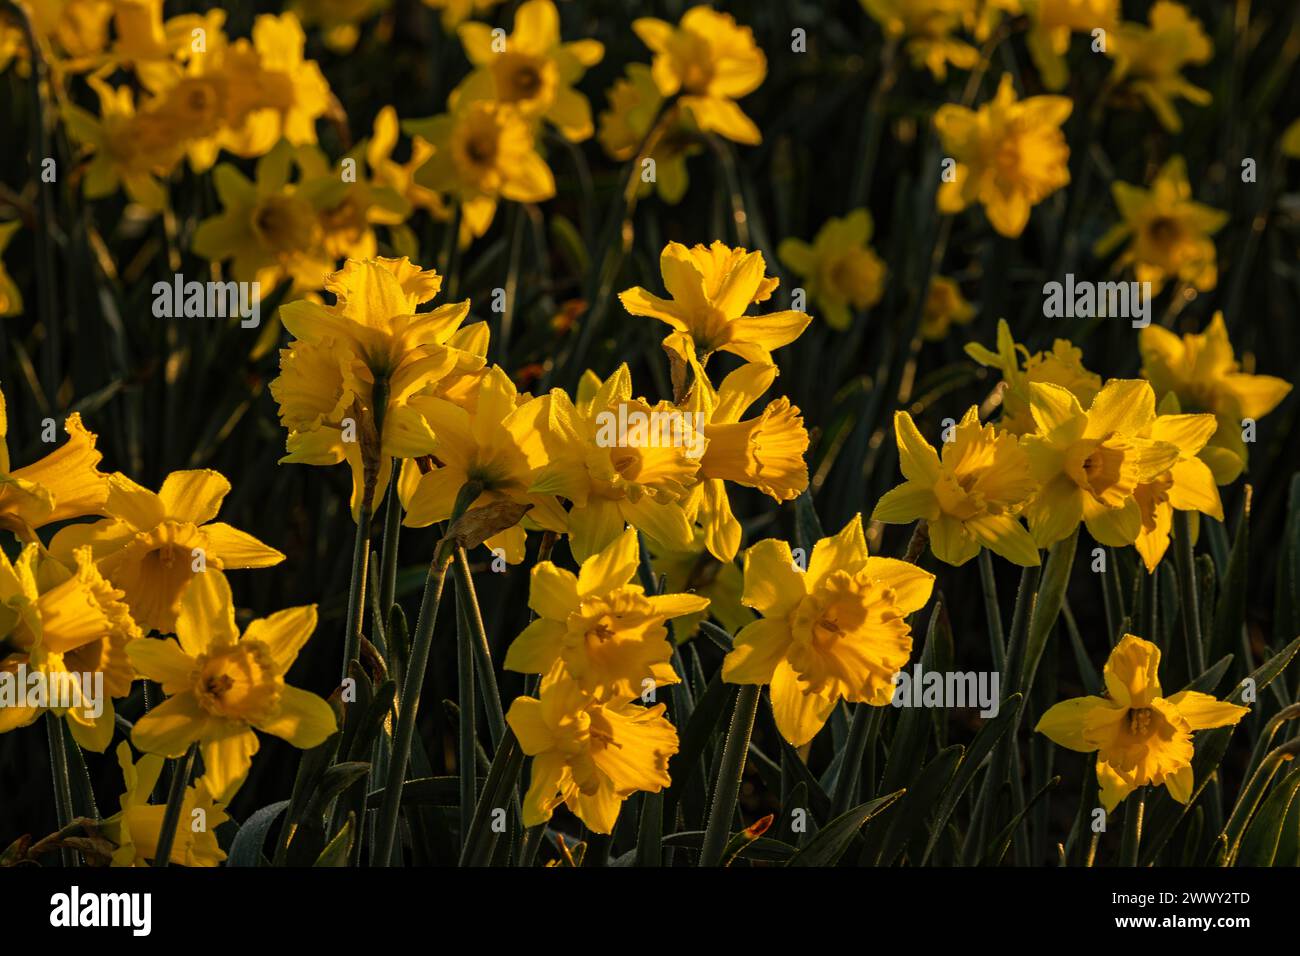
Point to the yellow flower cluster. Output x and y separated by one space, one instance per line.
658 113
99 603
202 93
371 380
1120 457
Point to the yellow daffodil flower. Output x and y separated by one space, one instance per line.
11 297
135 828
66 483
1168 232
385 171
484 151
1062 366
695 569
220 685
711 289
1150 60
589 753
1052 24
1290 142
1010 155
835 631
69 624
840 270
489 444
292 92
145 40
339 20
634 104
455 12
129 150
944 307
1089 463
268 228
371 334
194 95
1187 486
153 545
1141 737
712 62
927 26
535 71
348 211
615 480
969 496
608 633
1202 371
766 453
73 33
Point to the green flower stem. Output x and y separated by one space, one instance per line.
175 800
862 734
357 588
1184 564
467 736
417 664
62 783
481 840
729 774
386 831
482 650
388 552
992 613
1134 811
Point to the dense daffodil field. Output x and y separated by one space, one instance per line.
580 433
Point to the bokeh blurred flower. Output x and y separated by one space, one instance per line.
840 270
534 71
268 228
1202 371
944 307
339 20
1010 155
1020 369
711 61
1168 232
11 297
484 151
927 27
837 631
696 570
1140 736
1150 60
1053 22
128 150
625 129
455 12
